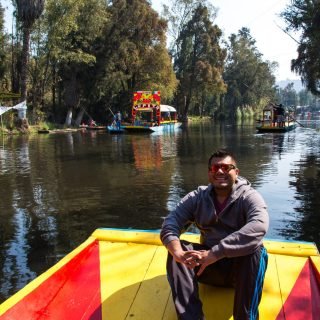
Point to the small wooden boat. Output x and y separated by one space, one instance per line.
115 130
96 127
147 128
270 128
121 274
43 131
272 121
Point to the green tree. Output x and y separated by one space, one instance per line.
304 16
289 95
2 45
306 98
135 56
199 60
178 14
40 77
250 80
28 11
73 28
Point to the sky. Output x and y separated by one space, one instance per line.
260 16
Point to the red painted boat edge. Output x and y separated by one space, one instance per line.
71 291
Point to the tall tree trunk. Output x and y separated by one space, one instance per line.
69 118
79 117
24 62
186 108
71 93
53 88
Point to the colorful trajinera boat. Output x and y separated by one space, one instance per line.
269 128
120 274
276 119
149 115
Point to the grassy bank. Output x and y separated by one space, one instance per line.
31 128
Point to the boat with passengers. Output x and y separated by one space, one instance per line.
149 115
276 118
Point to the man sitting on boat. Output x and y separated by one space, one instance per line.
232 218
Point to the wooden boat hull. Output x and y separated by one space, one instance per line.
43 131
286 128
114 130
96 128
148 129
137 129
120 274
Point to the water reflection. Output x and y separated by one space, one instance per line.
147 154
15 264
305 219
56 189
277 144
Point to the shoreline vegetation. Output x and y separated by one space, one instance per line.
39 128
84 63
46 127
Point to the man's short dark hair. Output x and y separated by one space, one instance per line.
221 153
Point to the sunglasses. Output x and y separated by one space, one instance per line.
223 166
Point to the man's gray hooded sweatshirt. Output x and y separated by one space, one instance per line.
237 230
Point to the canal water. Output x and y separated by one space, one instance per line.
56 189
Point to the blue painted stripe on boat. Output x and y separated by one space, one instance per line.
253 311
259 285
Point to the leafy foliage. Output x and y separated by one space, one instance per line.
136 54
2 44
288 96
104 52
28 11
200 59
73 29
304 16
248 77
93 54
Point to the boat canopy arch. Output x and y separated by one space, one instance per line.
166 108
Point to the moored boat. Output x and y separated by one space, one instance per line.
42 131
96 127
120 274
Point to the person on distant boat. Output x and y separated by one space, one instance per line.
232 218
280 112
117 119
92 123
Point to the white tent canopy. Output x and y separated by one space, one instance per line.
21 107
166 108
4 109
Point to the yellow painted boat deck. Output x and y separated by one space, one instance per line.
133 283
